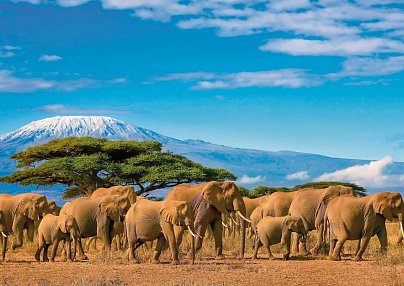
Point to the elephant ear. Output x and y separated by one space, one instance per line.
28 209
61 222
383 206
170 212
213 195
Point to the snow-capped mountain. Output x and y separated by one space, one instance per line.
256 166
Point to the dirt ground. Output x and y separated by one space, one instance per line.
21 268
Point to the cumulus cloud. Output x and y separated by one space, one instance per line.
245 179
368 175
50 58
290 78
302 175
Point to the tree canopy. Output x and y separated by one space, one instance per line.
85 164
359 190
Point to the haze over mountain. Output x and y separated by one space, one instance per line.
253 167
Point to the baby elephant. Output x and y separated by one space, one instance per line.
272 230
53 229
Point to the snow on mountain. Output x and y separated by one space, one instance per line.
254 167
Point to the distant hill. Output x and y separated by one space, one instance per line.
258 167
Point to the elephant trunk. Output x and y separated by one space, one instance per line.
241 212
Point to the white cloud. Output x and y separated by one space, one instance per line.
50 58
14 84
6 54
11 83
63 110
245 179
365 66
325 27
338 46
368 175
8 51
290 78
302 175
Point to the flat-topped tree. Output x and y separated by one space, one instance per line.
359 190
85 164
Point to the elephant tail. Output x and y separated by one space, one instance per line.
256 238
326 227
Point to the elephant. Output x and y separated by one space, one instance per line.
310 204
96 217
51 231
252 204
352 218
14 214
272 230
276 205
122 191
208 202
150 220
54 208
43 209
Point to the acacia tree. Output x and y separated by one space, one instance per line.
85 164
359 190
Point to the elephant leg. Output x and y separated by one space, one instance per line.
161 241
270 255
257 246
217 230
170 237
55 245
382 236
199 240
319 240
332 246
81 250
179 232
364 243
286 248
337 250
4 248
45 253
295 240
30 232
303 247
41 244
400 238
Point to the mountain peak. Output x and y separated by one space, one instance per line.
41 131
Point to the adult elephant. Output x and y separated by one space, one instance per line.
43 209
208 202
122 191
352 218
310 205
14 214
119 228
96 217
149 220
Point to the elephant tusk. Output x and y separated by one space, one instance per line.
236 223
243 217
224 225
3 234
191 232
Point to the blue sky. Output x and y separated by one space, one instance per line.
312 76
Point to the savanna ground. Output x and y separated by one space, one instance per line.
22 269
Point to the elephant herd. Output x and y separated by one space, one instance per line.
118 213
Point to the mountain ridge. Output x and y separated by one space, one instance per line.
255 166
